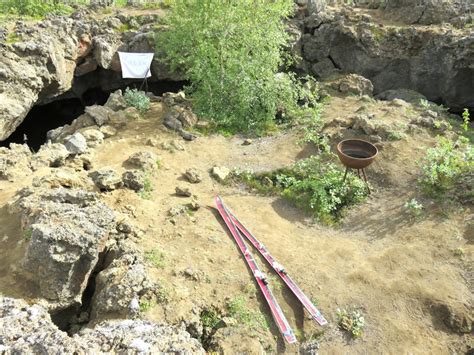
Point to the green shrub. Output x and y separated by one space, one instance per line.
317 186
232 53
449 168
137 99
35 8
238 310
314 184
352 322
465 120
414 207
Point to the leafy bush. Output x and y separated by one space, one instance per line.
35 8
449 167
313 184
317 186
238 309
232 53
137 99
465 120
414 207
352 322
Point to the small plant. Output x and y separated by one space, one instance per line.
414 207
27 233
237 308
465 119
146 305
352 322
156 257
449 167
147 189
137 99
459 252
210 318
427 105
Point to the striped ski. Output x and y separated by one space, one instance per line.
280 270
259 276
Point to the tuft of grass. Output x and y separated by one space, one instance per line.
414 207
313 184
148 188
27 233
146 305
13 38
210 318
238 310
156 257
352 322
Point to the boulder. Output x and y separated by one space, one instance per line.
393 57
14 161
108 131
183 191
356 84
93 136
76 144
52 154
106 179
116 102
193 176
100 114
28 329
144 160
134 179
122 282
220 173
69 228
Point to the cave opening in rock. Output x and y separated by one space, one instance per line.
45 117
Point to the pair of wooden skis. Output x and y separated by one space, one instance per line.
239 232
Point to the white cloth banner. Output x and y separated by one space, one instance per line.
136 65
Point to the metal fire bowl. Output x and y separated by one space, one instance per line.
356 153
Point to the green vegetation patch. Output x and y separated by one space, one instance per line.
239 310
448 170
351 321
137 99
156 257
314 184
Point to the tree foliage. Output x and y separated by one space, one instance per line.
231 51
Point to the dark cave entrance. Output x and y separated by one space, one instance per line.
43 118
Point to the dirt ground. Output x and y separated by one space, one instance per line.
379 259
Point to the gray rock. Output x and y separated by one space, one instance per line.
106 179
394 57
183 191
144 160
94 137
220 173
108 131
124 280
402 94
100 114
134 179
28 329
116 102
193 176
15 161
69 228
76 144
356 84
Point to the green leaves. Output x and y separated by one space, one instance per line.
137 99
448 166
231 52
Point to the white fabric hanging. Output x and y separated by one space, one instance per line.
136 65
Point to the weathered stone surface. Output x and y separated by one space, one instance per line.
183 191
134 179
28 329
122 282
193 176
106 179
220 173
140 336
69 228
93 136
100 114
76 144
394 57
14 161
356 84
116 102
144 160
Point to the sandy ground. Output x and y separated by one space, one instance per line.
394 268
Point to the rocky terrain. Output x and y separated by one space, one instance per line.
110 243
